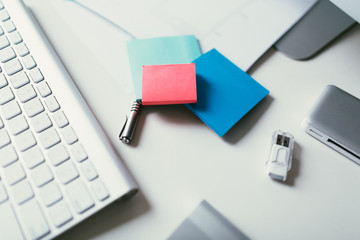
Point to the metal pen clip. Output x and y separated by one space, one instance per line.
128 129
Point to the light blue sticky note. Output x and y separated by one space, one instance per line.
157 51
225 93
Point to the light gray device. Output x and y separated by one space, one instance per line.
335 120
321 25
206 223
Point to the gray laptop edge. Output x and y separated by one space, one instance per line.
321 25
206 223
335 121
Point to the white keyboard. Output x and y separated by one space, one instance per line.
51 177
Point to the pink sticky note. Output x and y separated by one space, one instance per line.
169 84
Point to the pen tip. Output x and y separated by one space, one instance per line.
125 140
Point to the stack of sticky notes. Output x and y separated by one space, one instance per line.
171 70
159 51
169 84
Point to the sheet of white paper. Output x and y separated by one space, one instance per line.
242 30
351 7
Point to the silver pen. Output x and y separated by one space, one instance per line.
128 129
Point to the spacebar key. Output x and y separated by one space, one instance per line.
34 221
9 226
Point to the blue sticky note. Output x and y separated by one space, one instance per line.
159 51
225 93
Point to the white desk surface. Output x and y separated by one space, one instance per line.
178 161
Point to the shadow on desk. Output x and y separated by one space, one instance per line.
113 216
174 114
181 115
246 123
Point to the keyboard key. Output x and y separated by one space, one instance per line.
20 79
9 26
9 225
8 155
14 173
36 75
87 168
3 81
50 193
41 122
66 172
4 15
49 138
69 135
60 214
78 152
99 190
60 119
10 110
13 66
22 192
4 42
26 93
1 126
6 95
29 62
33 157
17 125
41 175
52 104
34 221
15 37
4 138
79 196
57 154
1 31
44 89
25 140
7 54
3 193
33 107
22 49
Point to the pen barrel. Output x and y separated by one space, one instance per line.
131 122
